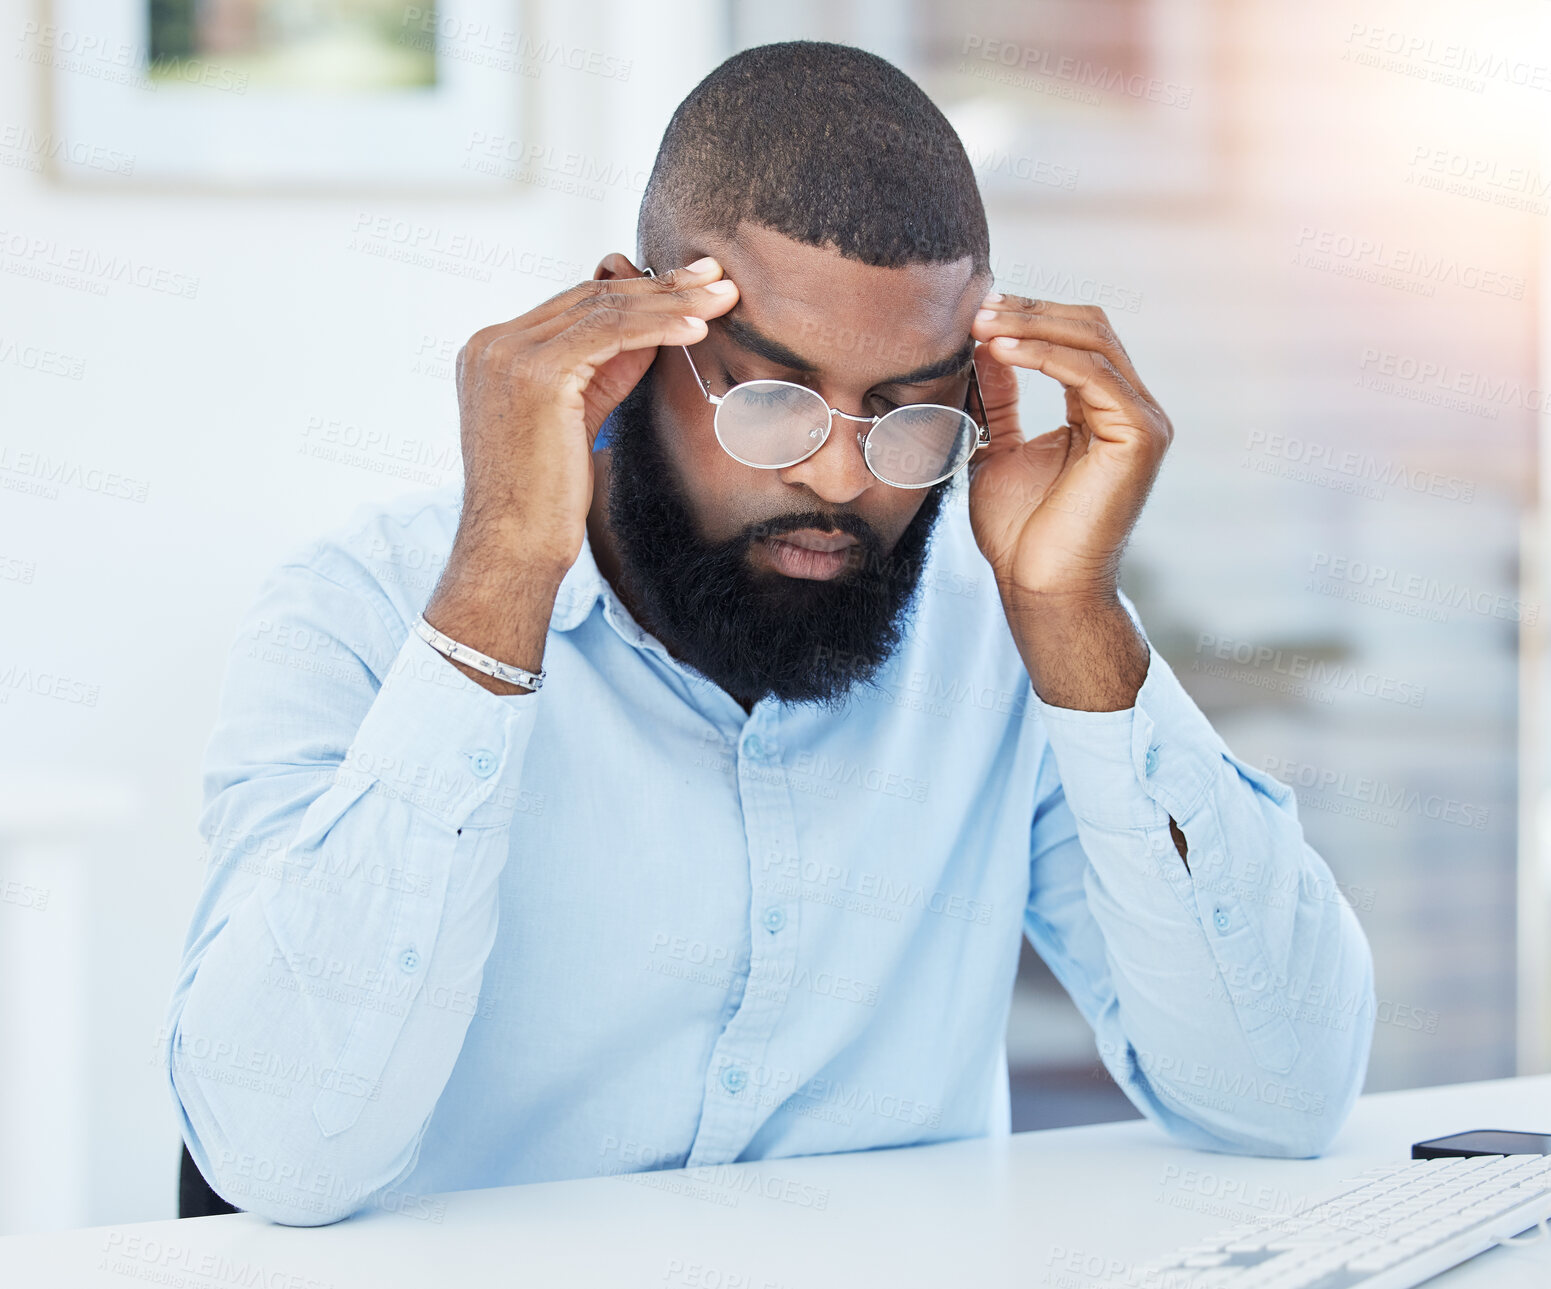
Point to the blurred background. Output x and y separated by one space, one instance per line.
243 240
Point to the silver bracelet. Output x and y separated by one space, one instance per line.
450 648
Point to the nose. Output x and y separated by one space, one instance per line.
838 471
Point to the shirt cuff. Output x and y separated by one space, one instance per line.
450 747
1128 769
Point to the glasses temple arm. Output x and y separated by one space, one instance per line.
983 438
699 380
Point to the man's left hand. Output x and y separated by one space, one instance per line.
1052 514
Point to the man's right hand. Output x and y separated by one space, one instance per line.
532 395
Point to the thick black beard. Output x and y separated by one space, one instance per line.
752 631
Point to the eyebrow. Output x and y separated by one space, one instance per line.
746 336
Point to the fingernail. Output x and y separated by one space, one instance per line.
992 298
1005 342
697 323
720 287
985 315
703 265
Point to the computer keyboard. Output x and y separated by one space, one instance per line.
1391 1228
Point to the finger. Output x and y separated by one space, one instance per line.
1078 326
1081 435
1094 378
554 315
664 284
707 300
1003 300
600 334
1074 412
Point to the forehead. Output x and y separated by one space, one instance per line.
831 309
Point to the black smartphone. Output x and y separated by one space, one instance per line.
1483 1141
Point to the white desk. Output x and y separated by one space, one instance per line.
1066 1209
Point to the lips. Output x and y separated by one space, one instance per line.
809 553
811 539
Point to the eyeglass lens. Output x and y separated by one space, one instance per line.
912 446
772 424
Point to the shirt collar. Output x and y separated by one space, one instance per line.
579 590
582 586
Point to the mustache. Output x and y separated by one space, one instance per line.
852 525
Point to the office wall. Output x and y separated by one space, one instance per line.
238 415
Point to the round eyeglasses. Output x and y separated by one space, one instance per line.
772 424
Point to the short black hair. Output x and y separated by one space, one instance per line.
827 144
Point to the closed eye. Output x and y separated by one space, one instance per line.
765 397
729 379
881 406
933 391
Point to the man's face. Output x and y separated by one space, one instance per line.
698 532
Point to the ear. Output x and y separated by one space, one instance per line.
614 265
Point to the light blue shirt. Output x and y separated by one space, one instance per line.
452 939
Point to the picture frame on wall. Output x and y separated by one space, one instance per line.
310 95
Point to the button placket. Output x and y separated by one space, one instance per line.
734 1106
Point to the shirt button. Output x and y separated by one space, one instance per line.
482 763
409 960
754 745
775 919
1152 760
734 1078
1220 920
